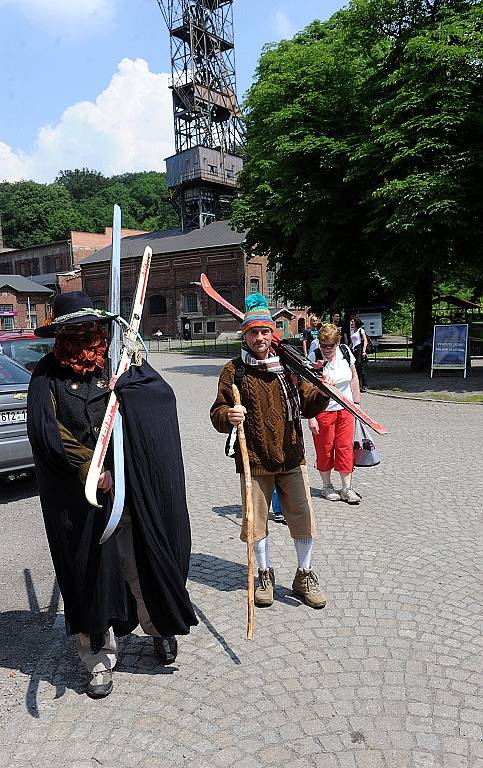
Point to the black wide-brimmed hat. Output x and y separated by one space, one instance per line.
72 308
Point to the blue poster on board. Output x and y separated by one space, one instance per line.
450 343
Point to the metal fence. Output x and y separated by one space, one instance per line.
208 346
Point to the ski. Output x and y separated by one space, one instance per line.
114 356
298 364
127 352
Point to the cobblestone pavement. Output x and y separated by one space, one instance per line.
386 676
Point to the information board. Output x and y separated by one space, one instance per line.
450 345
372 322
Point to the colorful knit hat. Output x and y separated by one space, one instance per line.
257 314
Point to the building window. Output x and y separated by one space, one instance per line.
272 296
197 327
254 285
61 264
99 304
190 302
212 169
220 310
126 304
6 323
157 305
211 326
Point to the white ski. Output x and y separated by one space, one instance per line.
128 348
114 356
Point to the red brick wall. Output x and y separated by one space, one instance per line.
70 282
20 305
171 276
86 243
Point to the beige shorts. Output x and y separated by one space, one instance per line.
294 494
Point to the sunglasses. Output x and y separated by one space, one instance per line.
327 346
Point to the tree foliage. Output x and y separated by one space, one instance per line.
364 155
33 214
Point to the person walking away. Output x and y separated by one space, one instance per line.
359 350
139 574
333 430
310 333
273 402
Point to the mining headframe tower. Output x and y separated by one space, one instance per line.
202 174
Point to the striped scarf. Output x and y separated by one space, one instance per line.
290 391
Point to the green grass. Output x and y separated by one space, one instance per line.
461 398
449 397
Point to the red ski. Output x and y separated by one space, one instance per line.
298 364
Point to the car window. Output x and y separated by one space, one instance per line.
29 351
10 373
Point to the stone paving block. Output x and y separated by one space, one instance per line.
397 759
369 759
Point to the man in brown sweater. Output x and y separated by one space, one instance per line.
273 402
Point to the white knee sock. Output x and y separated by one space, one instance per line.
304 547
262 554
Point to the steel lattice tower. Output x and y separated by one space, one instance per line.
208 134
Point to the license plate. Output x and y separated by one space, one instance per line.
13 417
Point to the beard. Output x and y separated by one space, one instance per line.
83 352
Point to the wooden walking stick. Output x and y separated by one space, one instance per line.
249 518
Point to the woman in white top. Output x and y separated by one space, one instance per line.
333 429
359 348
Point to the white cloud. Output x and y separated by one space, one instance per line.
283 26
127 128
58 12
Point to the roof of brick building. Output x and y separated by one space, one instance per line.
22 284
215 235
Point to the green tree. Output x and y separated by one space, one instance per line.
33 214
365 154
82 184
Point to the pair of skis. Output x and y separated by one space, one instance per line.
298 364
120 356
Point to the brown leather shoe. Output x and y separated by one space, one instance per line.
264 591
306 586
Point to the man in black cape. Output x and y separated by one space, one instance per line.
138 575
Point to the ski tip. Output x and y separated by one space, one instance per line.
91 496
379 429
105 536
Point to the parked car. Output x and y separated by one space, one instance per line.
15 450
24 347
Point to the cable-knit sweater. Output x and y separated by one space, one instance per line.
274 444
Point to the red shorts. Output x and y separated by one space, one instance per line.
334 445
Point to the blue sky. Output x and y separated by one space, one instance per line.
85 82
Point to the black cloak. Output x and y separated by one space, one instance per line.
89 574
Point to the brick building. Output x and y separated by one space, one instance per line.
45 263
23 303
175 304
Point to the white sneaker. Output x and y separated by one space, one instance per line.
350 496
329 492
